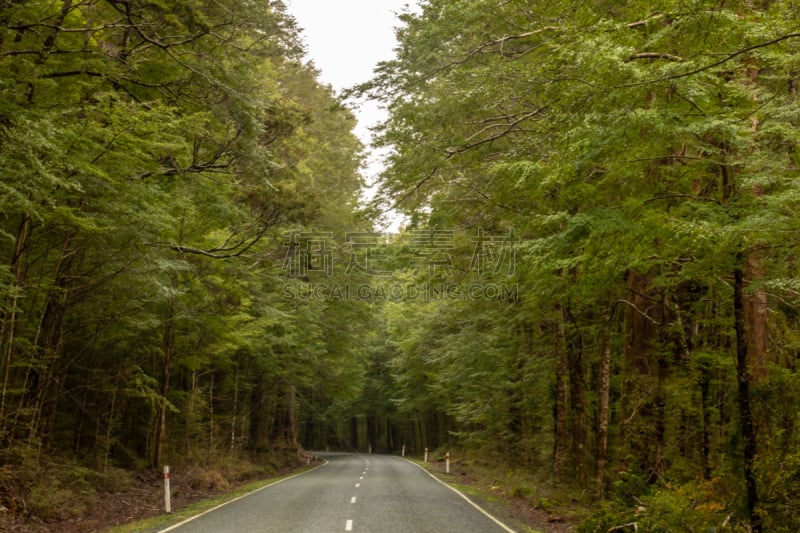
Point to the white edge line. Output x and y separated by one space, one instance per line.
475 505
179 524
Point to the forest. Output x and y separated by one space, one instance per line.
596 286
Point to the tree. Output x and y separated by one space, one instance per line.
153 156
643 174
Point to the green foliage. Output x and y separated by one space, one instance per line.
155 157
689 507
152 156
644 154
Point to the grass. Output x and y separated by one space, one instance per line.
157 523
471 490
490 502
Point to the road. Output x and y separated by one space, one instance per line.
352 492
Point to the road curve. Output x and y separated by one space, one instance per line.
352 492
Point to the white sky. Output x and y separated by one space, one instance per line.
346 39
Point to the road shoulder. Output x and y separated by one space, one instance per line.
515 513
168 522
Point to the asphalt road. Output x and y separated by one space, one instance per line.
352 492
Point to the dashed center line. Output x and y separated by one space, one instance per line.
353 499
358 485
348 526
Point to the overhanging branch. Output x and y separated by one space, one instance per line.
709 66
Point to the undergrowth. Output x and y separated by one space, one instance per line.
41 492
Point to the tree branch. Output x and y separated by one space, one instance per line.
681 195
494 42
634 525
213 253
644 22
715 63
643 313
506 129
656 55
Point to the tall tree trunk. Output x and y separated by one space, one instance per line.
643 396
291 416
168 348
755 316
257 409
561 443
579 424
603 398
755 304
743 375
9 323
48 343
235 407
166 365
423 432
705 407
211 420
109 428
189 417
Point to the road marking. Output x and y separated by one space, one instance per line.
358 485
353 499
348 526
362 477
475 505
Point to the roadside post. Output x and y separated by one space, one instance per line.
403 453
167 503
447 463
426 455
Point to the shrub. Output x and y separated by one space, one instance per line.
691 507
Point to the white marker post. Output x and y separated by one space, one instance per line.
403 453
370 448
167 503
447 463
426 455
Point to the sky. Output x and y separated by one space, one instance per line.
346 39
